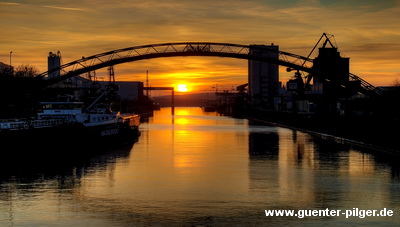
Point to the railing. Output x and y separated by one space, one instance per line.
179 49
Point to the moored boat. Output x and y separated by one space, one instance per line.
61 120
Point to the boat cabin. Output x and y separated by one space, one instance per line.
61 108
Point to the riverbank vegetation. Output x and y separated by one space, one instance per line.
19 90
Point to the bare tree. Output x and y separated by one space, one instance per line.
396 83
26 70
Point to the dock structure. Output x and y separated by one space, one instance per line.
172 89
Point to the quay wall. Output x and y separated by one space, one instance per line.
378 135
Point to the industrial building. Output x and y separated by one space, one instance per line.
336 69
263 76
53 61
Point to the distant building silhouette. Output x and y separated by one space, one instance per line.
263 76
336 71
54 61
129 89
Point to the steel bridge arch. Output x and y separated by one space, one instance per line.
136 53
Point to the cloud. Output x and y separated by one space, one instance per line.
10 3
66 8
45 6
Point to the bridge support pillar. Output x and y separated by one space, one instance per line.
172 101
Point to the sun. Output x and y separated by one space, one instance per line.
182 88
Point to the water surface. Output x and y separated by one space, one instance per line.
200 169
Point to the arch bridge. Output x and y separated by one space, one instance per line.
136 53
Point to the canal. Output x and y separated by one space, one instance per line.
202 169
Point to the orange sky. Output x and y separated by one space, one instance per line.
367 31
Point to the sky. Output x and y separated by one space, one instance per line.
366 31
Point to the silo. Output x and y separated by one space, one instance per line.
263 76
54 61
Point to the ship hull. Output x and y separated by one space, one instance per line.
69 136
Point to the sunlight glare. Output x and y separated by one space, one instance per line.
182 88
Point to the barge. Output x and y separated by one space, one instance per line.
70 121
